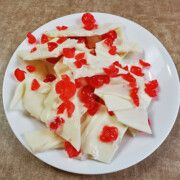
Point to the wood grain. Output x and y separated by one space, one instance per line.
161 17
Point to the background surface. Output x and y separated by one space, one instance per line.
161 17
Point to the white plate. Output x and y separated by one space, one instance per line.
163 112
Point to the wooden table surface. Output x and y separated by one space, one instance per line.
161 17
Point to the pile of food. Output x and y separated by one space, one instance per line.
87 85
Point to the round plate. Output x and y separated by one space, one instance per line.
163 112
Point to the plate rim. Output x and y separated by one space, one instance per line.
148 153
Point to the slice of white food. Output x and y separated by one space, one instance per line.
42 140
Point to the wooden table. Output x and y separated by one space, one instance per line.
161 17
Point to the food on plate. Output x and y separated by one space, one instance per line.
88 86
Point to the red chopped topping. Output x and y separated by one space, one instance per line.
88 18
33 49
93 52
19 74
136 70
151 88
69 52
79 56
108 42
90 27
31 68
56 123
61 40
52 46
81 39
60 28
116 63
98 80
109 134
111 113
44 39
110 35
94 107
50 78
80 82
126 68
80 63
128 77
31 38
111 71
65 88
71 151
134 96
53 60
112 50
68 105
35 85
143 63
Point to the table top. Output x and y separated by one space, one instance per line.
161 17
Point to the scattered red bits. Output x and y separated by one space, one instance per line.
44 39
52 46
79 56
60 28
108 42
111 113
116 63
112 50
110 35
89 21
61 40
65 88
31 68
49 78
136 70
69 52
109 134
33 49
71 151
111 71
129 77
80 63
98 80
81 39
151 88
134 96
69 106
19 74
56 123
35 85
53 60
144 64
126 68
93 52
80 82
31 38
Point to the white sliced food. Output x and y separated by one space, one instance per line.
79 31
136 118
42 140
60 68
18 94
91 145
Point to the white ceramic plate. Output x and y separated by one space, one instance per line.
162 113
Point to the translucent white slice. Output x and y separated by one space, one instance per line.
42 140
136 118
60 68
18 94
91 144
80 31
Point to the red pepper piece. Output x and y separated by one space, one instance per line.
111 71
136 70
50 78
71 151
60 28
31 68
112 50
35 85
33 49
44 39
61 40
69 52
19 74
31 38
52 46
144 64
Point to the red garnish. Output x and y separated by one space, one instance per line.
134 96
81 39
80 82
111 113
116 63
98 80
143 63
111 71
44 39
35 85
129 77
33 49
151 88
31 38
31 68
56 123
110 35
69 52
53 60
79 56
19 74
65 88
52 46
67 105
125 68
90 27
93 52
80 63
71 151
89 21
50 78
112 50
60 28
109 134
136 70
108 42
61 40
